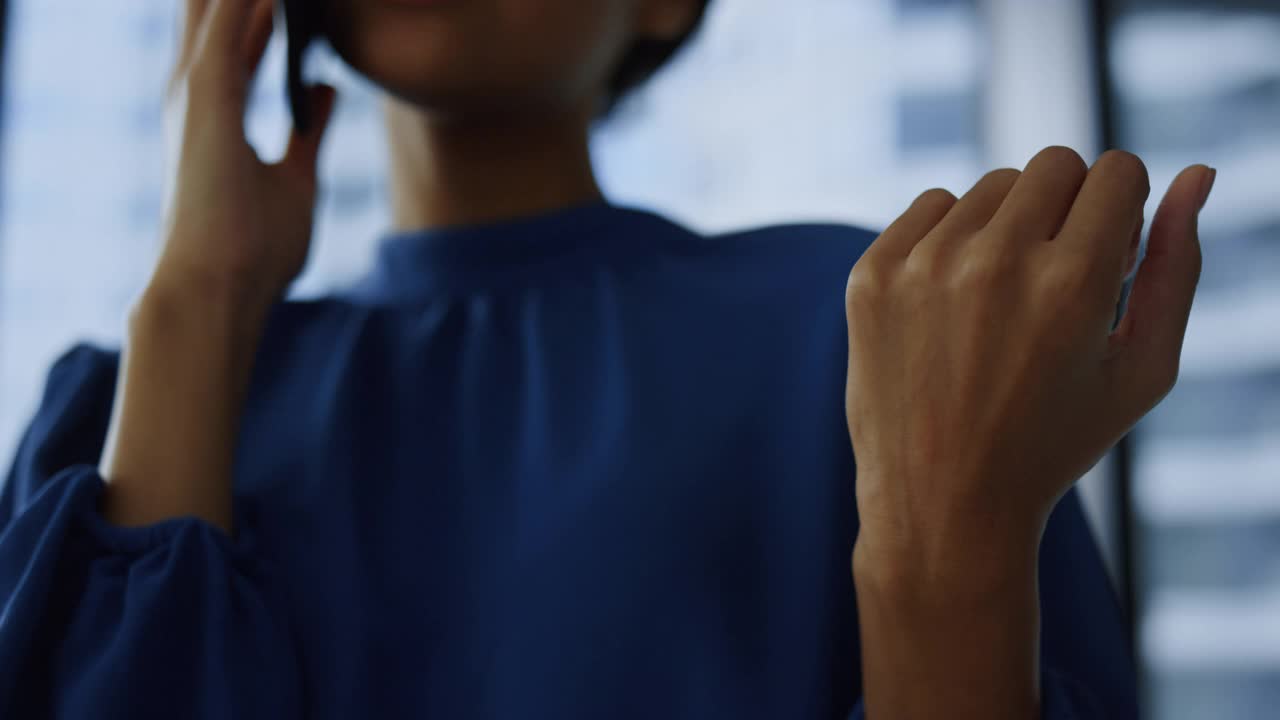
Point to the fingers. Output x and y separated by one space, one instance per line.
261 26
1041 199
218 66
1100 223
191 20
303 151
980 204
902 235
1148 343
227 26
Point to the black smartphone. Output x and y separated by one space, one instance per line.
302 19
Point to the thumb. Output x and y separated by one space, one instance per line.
1148 343
303 151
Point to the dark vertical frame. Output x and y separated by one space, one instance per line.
1104 16
4 67
4 47
4 87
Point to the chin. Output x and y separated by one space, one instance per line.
473 57
430 59
409 54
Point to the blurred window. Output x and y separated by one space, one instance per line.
1200 82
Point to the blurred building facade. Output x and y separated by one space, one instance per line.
1200 82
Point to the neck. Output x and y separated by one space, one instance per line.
472 172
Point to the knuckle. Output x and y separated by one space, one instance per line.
935 198
1065 284
924 266
1001 176
1126 165
1163 378
865 281
1062 159
979 271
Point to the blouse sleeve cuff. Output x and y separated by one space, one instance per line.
79 490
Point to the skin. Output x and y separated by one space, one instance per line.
486 130
964 438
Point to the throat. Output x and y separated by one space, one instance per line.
476 171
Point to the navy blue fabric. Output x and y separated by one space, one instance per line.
583 465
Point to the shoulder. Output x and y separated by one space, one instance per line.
70 423
77 397
806 241
799 256
69 426
794 242
798 259
80 385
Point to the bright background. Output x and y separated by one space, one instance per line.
811 109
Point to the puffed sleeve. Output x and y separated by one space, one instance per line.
166 621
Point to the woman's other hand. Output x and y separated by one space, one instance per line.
984 379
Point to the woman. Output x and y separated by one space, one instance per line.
560 459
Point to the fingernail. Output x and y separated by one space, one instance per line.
1207 186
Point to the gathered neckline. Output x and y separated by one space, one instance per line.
412 264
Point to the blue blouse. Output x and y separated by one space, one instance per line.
586 464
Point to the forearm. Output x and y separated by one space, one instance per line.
183 375
950 631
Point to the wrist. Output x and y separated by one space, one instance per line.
183 376
195 336
961 581
180 279
952 556
962 621
195 309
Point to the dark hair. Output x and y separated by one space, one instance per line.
645 58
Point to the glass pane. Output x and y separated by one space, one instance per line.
822 109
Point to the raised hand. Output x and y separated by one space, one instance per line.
232 220
984 379
237 231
